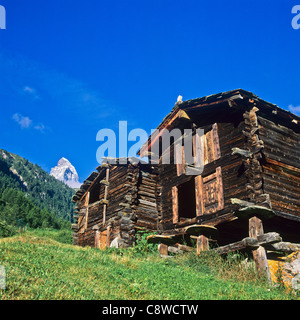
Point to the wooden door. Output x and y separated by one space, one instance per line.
209 193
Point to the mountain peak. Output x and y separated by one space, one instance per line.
63 161
66 172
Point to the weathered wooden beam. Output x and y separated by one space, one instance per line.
74 226
259 254
175 205
105 201
242 153
125 205
238 246
202 244
106 183
184 248
175 250
266 239
286 247
108 236
148 203
163 249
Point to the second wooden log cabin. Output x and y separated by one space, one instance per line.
114 202
251 154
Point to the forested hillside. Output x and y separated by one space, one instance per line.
30 194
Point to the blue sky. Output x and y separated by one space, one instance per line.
71 68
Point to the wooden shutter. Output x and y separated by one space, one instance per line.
209 193
210 146
175 204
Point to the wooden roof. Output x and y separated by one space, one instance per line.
212 105
94 176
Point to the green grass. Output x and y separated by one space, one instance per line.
38 267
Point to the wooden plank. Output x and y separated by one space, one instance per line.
87 199
220 193
108 236
145 203
209 178
163 249
286 247
259 255
105 195
210 148
97 239
238 246
266 240
175 250
202 244
185 248
180 159
216 143
198 147
199 196
102 240
175 204
205 150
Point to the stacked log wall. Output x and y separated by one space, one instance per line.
148 194
281 168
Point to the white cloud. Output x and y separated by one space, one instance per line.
40 127
24 122
28 89
31 91
293 109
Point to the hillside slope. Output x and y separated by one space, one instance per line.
41 268
42 189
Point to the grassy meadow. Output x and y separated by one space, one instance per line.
43 265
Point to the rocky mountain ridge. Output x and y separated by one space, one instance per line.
66 172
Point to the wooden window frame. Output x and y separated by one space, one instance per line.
200 197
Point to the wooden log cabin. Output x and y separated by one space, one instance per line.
251 156
114 202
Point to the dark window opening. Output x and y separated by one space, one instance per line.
95 193
187 200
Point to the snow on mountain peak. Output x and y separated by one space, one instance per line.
66 172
